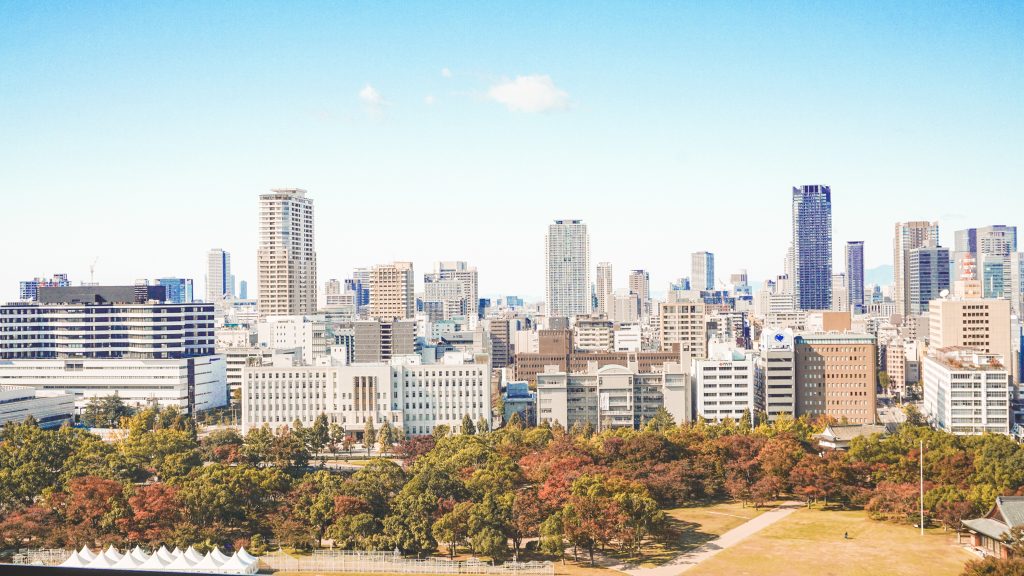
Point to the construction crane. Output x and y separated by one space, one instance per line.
92 271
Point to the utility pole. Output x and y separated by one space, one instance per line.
920 460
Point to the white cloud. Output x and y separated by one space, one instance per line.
447 73
371 97
530 94
429 100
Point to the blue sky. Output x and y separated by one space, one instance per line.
142 133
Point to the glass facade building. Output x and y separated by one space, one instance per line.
855 275
812 247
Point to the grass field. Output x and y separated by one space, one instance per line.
811 542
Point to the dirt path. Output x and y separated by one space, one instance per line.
685 561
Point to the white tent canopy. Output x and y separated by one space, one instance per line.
165 555
101 561
215 561
74 561
193 555
219 556
245 556
127 562
112 554
139 554
208 564
155 562
86 554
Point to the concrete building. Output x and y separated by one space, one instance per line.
909 236
286 260
836 376
501 333
982 324
855 276
305 333
413 397
812 247
612 396
392 295
967 391
219 286
702 271
724 385
593 334
49 408
556 348
927 276
775 372
840 293
640 284
681 327
626 307
627 338
604 289
455 285
567 269
379 341
519 399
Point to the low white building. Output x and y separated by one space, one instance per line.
189 384
724 384
411 396
775 372
50 408
593 334
628 338
285 332
967 391
612 396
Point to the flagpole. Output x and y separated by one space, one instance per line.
920 459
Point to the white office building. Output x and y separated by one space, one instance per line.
776 372
286 332
612 396
220 283
724 384
967 391
409 395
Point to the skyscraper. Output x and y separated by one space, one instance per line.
640 284
986 254
567 268
927 277
855 275
218 275
812 247
605 289
28 290
702 271
243 290
392 294
909 235
286 259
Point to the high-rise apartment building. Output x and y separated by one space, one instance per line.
218 276
907 237
567 269
855 275
836 376
28 290
392 293
286 259
640 284
379 341
605 289
927 276
812 247
702 271
455 285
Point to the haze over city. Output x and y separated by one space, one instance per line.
142 134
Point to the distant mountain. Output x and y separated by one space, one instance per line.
881 275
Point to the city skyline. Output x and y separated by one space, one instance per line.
657 109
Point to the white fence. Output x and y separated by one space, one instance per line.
394 563
346 561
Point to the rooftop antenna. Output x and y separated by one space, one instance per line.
92 270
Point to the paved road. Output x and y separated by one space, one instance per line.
684 562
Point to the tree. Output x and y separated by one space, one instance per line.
662 421
154 511
386 437
468 427
482 425
515 421
91 508
337 437
452 528
995 567
258 445
369 435
104 412
894 502
527 514
319 436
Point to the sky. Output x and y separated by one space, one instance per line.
139 135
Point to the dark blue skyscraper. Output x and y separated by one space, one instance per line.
812 247
855 274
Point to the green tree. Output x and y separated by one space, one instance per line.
104 412
386 437
369 435
452 528
319 436
468 427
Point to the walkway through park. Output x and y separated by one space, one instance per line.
688 560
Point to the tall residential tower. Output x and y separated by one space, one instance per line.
567 268
855 275
286 259
812 247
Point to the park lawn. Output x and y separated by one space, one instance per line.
694 526
810 541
